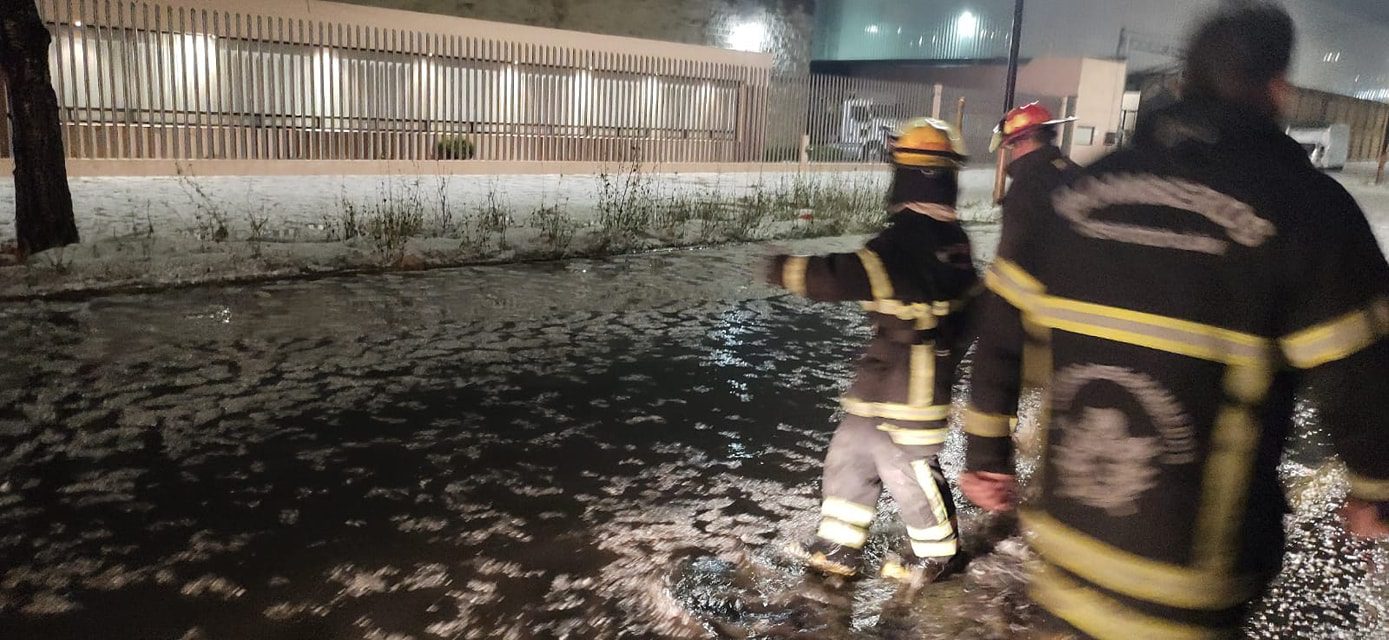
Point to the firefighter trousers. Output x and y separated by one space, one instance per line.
867 454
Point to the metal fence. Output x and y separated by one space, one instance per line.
146 80
187 80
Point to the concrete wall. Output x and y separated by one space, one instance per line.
781 27
1098 107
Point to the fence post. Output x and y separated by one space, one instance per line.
938 94
805 148
1383 156
960 116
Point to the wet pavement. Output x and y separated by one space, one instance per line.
590 449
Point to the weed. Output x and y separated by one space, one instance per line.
494 218
387 223
557 230
209 216
627 205
443 222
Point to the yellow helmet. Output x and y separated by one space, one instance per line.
928 143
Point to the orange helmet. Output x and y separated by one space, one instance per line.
1021 121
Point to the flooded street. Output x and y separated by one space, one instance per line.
590 449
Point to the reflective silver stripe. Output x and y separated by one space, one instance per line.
1162 333
927 481
894 411
842 533
843 510
944 549
916 437
1339 338
935 533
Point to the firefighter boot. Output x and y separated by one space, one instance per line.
915 572
833 560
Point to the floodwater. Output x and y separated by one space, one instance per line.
590 449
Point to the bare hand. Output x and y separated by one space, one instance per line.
1363 519
991 491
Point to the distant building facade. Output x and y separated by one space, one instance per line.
781 27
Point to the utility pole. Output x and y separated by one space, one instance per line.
1010 95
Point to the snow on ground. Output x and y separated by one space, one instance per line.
297 206
182 230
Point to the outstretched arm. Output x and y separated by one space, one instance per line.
834 277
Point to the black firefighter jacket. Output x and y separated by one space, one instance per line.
1185 289
916 279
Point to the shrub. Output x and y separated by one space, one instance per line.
455 148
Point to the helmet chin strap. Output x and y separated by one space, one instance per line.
941 212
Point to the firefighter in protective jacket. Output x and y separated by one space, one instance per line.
1037 167
916 280
1186 288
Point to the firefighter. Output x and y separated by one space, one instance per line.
1028 130
1028 134
916 280
1188 286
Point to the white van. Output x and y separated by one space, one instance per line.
1327 147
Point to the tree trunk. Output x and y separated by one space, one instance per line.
43 204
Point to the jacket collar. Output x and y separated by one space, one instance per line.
1033 161
941 212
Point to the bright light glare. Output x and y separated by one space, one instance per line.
966 25
872 28
748 36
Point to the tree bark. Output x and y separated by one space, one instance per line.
43 203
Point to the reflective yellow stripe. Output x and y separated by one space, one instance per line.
1130 574
1104 618
927 481
1225 486
1172 335
936 533
894 411
1022 299
944 549
1017 276
1338 339
921 383
1369 489
793 274
878 279
852 513
915 437
842 533
899 309
988 425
